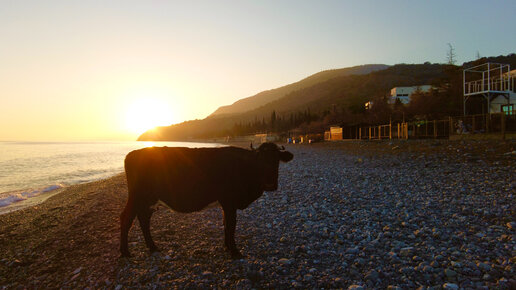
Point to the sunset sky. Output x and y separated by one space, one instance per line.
108 70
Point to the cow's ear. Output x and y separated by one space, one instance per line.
285 156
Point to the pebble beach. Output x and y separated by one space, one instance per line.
430 214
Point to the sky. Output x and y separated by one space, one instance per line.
109 70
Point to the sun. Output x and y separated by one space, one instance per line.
146 113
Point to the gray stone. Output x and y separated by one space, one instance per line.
406 252
373 275
450 273
285 261
450 286
352 251
484 267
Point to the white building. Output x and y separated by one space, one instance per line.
404 93
503 103
495 83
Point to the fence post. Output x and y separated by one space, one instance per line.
369 132
379 132
399 136
488 117
502 120
390 130
450 121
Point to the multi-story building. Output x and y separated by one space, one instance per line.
403 94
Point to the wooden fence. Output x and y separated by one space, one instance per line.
494 123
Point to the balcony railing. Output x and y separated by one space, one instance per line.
488 85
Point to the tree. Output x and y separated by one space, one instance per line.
450 55
273 120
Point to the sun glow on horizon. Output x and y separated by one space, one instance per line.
147 113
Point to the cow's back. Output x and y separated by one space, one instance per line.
188 179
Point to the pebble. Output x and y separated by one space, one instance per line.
352 251
285 261
450 286
484 267
373 275
450 273
406 252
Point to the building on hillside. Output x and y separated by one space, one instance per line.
491 83
403 94
369 105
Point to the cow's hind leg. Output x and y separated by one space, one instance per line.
229 232
144 216
126 221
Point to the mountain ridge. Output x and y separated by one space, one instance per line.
267 96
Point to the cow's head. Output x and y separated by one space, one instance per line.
268 158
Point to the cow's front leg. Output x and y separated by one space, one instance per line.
229 233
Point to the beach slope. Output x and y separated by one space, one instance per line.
374 214
72 233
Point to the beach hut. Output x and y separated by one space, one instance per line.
335 133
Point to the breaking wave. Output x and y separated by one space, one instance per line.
8 198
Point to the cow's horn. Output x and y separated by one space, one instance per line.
282 147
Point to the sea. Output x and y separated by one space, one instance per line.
30 172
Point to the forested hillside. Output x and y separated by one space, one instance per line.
339 100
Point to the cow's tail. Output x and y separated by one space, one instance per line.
126 221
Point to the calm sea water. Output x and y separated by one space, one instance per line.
32 169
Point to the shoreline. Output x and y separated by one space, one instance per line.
29 202
332 197
35 189
44 195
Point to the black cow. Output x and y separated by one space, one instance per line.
188 180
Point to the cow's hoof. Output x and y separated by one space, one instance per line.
125 255
236 256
